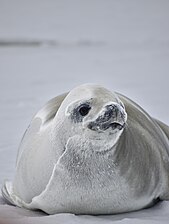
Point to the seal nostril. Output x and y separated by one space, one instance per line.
90 126
110 112
104 126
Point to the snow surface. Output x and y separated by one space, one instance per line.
48 47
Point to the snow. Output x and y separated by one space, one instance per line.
48 47
13 215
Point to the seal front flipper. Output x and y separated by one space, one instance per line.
57 196
52 199
60 192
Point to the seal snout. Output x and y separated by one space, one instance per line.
112 116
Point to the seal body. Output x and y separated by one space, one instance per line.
91 151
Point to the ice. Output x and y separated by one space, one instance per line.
48 47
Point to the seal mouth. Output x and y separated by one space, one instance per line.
111 118
104 126
116 125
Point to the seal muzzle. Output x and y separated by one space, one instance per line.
113 116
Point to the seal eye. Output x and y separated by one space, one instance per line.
84 110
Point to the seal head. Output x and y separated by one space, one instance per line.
98 115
